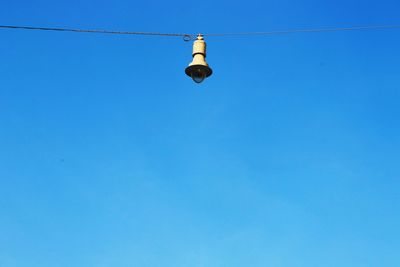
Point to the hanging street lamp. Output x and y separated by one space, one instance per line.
198 69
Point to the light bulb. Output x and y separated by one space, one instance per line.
198 75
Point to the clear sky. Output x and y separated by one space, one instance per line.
288 156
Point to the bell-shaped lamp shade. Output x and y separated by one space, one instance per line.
198 69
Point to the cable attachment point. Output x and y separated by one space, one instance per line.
188 37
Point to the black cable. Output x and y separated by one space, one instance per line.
306 30
188 37
93 31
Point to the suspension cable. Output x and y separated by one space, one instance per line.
188 37
305 30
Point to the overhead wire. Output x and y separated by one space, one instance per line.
306 30
188 37
92 31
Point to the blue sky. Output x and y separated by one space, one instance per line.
287 156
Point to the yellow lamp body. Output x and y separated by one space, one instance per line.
198 69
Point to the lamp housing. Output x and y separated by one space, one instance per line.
198 69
